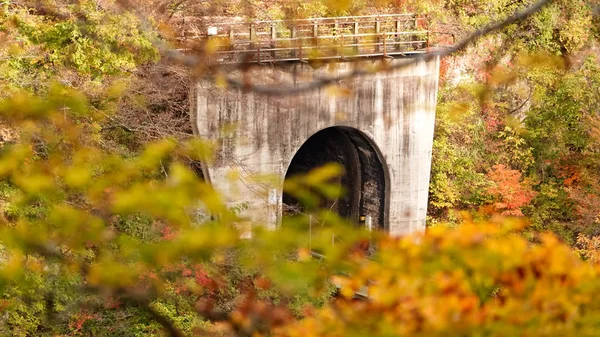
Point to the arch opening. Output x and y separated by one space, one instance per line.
364 180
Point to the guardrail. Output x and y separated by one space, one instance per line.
392 35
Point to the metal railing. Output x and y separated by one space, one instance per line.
342 38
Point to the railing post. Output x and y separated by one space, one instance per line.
398 29
252 35
377 34
252 38
293 34
273 37
356 39
335 32
316 37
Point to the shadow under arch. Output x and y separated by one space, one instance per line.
366 177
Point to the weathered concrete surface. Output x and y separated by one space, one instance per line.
259 135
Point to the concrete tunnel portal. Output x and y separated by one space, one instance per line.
364 181
384 145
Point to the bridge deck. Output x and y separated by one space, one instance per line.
319 39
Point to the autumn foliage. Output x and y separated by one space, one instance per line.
103 233
480 279
509 191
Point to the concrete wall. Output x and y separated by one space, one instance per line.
259 135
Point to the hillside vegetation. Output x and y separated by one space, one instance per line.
103 223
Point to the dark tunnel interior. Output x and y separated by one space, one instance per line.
364 179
